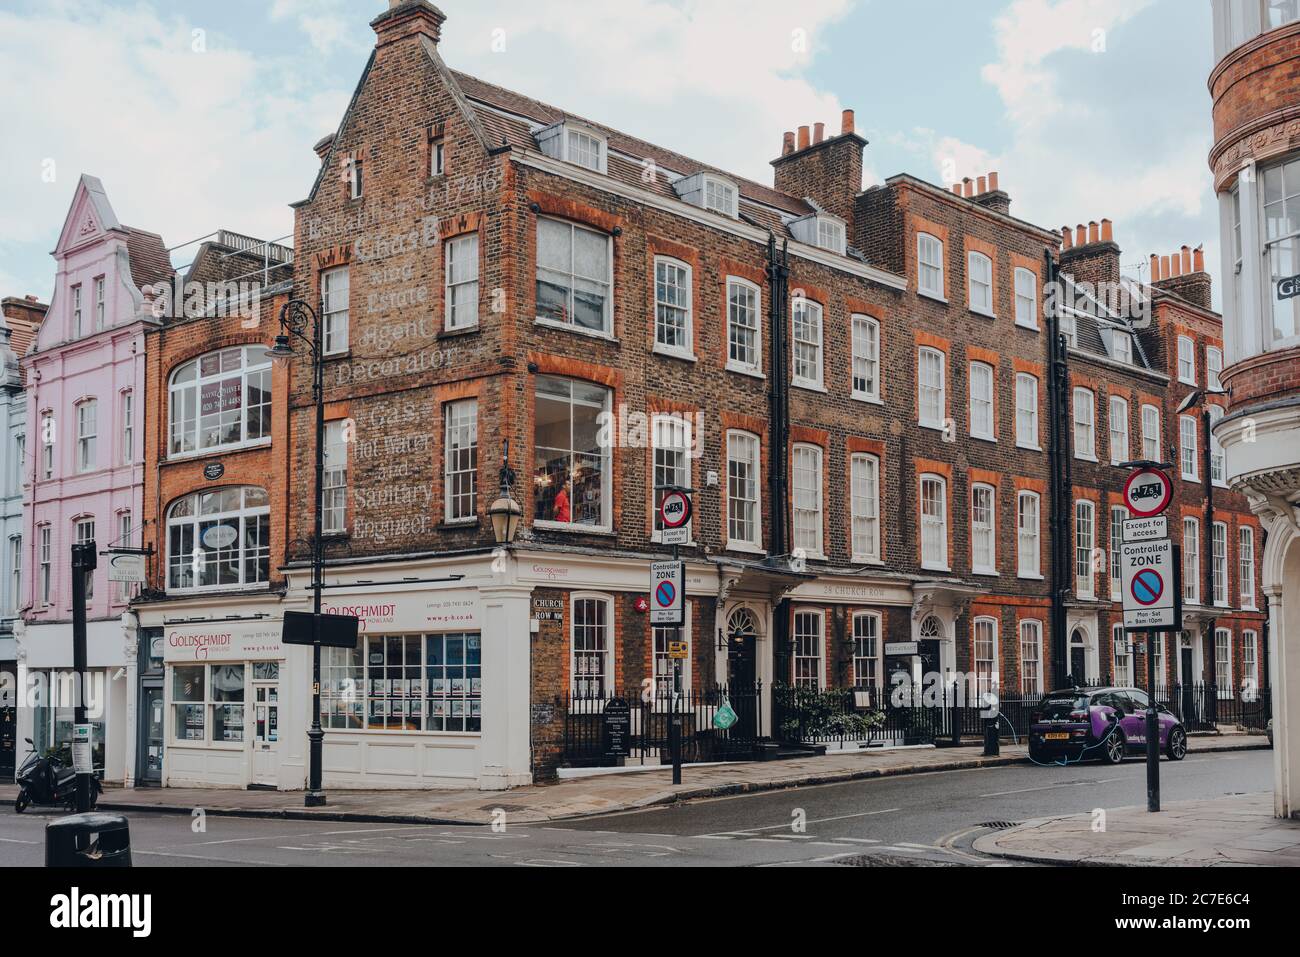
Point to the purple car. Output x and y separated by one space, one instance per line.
1106 723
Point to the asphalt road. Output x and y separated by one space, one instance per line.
927 819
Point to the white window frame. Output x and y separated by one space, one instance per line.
437 156
808 505
981 373
48 428
1213 368
1119 450
935 523
807 333
1223 663
930 264
867 658
1151 417
1189 452
1026 300
100 303
1218 457
86 415
1191 560
335 284
606 459
78 323
1029 559
924 389
128 426
865 364
460 460
334 479
15 574
720 196
1246 566
185 397
607 329
44 555
574 151
864 507
582 689
979 279
800 652
670 434
1186 360
735 309
1219 563
754 506
355 177
125 537
461 278
662 665
678 276
1031 636
984 529
1085 576
243 515
1118 516
987 668
1085 427
1250 679
1027 412
1121 656
83 532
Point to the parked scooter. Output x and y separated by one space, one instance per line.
46 781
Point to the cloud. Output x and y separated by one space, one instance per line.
330 25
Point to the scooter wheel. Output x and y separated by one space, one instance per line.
21 802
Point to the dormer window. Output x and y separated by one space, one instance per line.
710 192
822 230
1120 345
575 144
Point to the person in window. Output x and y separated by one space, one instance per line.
560 506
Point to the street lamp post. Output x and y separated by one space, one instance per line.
505 512
295 318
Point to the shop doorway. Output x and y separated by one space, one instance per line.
8 722
151 736
266 724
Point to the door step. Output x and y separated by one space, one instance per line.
774 751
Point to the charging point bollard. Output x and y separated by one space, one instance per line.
992 747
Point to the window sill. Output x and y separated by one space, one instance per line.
1086 458
458 524
1029 448
1023 576
868 399
809 386
459 331
340 354
992 440
1028 327
668 353
219 450
935 568
1191 478
746 547
575 329
750 371
935 426
983 314
937 297
986 572
571 528
872 562
1191 382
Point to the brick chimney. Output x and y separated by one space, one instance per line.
1091 255
988 193
322 147
826 169
408 18
1183 274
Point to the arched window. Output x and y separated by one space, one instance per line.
220 400
741 625
219 539
931 629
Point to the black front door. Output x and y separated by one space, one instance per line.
742 676
8 721
1188 681
1078 666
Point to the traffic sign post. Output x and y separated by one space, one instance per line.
1151 569
668 601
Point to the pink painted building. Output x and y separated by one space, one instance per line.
83 469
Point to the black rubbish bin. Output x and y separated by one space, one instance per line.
88 840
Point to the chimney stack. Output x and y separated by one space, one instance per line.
825 169
323 145
1183 274
408 18
1093 257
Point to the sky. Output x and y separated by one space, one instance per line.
201 114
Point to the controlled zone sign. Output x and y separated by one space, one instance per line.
1150 585
668 593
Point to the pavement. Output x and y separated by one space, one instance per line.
1236 831
579 798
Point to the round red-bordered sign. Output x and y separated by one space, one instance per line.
675 510
1148 492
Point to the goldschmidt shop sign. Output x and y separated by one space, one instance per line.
215 641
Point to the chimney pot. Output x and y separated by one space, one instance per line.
956 188
819 132
787 143
1067 240
1094 232
405 18
1107 231
993 182
982 186
805 138
1166 270
1198 259
968 187
1081 235
1187 260
1155 268
1175 266
848 123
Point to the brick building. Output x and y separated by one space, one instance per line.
857 384
1256 166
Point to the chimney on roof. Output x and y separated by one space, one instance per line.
1093 256
1184 275
408 18
988 193
825 169
787 143
323 145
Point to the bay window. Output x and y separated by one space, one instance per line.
221 400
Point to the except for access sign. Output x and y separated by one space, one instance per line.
1148 492
1145 529
675 517
667 593
1150 585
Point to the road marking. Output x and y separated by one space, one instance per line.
203 857
858 840
820 820
14 840
1052 787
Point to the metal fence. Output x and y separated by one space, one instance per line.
585 743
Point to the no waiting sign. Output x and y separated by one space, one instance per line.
668 593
